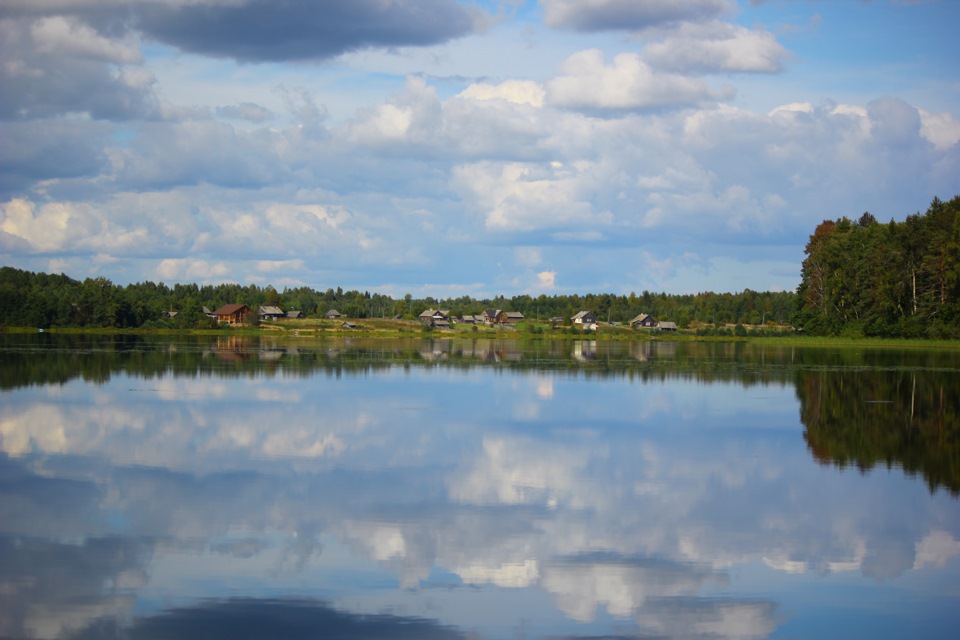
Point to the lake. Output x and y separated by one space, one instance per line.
224 487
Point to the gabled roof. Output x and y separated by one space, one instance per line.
514 315
670 326
333 313
293 313
271 311
230 309
640 318
581 315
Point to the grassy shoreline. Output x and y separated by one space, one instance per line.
393 329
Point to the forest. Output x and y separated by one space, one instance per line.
44 300
900 279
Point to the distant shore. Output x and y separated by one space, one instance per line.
411 329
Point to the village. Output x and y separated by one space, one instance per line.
585 320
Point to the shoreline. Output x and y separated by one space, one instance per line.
411 329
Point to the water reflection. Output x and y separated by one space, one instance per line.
372 491
910 419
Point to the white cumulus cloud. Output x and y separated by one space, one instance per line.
587 82
716 47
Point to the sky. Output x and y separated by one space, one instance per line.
447 148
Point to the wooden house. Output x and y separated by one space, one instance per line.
270 313
232 314
644 320
584 317
508 317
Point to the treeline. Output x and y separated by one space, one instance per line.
44 300
900 279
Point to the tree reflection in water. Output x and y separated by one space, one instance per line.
908 419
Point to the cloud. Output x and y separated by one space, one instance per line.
169 154
263 31
412 116
546 281
58 66
37 151
68 36
628 84
191 270
715 47
627 15
941 129
625 153
274 266
894 123
526 197
66 227
245 111
516 91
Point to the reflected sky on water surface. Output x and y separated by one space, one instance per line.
491 489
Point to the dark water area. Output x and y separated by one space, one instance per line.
249 488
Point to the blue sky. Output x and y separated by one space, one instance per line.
444 148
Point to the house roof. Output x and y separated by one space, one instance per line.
428 313
667 325
333 313
640 318
271 311
230 309
582 314
294 313
515 314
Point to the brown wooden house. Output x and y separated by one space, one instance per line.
232 314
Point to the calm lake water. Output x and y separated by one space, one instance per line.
230 488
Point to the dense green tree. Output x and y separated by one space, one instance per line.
899 279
